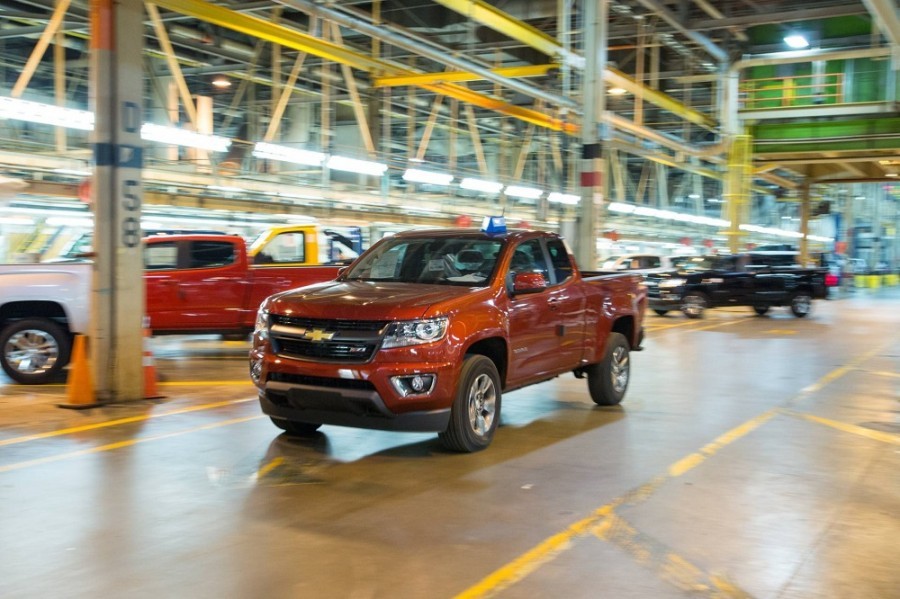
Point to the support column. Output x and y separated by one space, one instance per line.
593 138
804 222
117 307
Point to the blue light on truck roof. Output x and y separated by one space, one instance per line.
494 225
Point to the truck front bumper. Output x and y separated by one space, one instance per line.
664 302
360 396
344 407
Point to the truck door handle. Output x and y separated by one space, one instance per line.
553 304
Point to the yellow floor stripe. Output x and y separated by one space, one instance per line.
546 551
120 421
849 428
121 444
269 467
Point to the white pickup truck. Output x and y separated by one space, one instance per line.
41 307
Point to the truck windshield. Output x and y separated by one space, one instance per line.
464 261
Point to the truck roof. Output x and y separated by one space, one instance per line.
468 232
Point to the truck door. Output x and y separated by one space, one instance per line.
160 261
205 291
536 320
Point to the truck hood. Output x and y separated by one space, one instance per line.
366 300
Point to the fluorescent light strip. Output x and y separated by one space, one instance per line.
71 118
415 175
529 193
352 165
183 137
564 198
48 114
481 185
295 155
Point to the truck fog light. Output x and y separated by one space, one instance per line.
416 384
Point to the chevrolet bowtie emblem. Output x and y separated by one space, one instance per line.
318 335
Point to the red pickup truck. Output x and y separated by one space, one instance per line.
426 329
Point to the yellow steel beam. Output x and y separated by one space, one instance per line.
32 63
292 38
484 13
274 33
617 78
461 76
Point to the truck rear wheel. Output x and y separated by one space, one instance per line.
661 312
34 350
475 412
694 304
608 378
801 304
761 310
297 429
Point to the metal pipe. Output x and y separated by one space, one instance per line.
667 16
423 48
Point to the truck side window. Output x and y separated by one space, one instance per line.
286 248
559 259
161 256
528 257
211 254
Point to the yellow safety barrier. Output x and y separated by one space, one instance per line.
873 281
891 280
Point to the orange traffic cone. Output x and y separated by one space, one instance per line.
80 382
150 391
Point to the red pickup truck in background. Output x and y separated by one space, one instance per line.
427 328
195 283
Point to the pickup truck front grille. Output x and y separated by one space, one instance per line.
330 325
326 340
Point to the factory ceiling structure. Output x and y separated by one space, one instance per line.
702 104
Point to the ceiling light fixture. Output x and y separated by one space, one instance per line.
221 82
617 91
352 165
564 198
528 193
796 41
183 137
414 175
297 156
481 185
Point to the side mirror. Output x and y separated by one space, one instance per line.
529 282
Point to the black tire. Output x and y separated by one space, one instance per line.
801 304
608 378
694 304
33 351
661 312
294 428
761 310
475 412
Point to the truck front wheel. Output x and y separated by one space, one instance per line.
608 378
34 350
693 305
801 304
475 412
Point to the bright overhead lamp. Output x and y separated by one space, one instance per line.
481 185
414 175
182 137
796 41
518 191
221 82
617 91
620 207
352 165
48 114
297 156
564 198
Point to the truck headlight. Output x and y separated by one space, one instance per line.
670 283
415 332
261 328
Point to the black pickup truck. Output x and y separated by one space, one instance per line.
760 281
